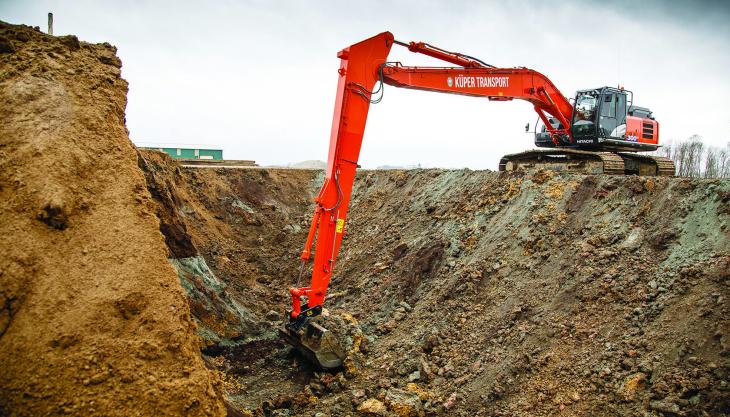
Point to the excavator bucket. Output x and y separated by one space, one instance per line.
316 343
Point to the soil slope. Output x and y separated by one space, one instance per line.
479 293
94 320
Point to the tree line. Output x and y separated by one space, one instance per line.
692 158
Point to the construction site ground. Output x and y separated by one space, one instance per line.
131 285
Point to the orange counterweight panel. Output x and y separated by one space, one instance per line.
642 130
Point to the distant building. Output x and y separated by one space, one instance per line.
189 153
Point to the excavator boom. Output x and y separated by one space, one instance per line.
497 84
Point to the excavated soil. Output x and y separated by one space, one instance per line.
462 293
476 293
93 320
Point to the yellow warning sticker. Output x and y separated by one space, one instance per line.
340 225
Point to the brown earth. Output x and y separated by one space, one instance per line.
480 293
93 319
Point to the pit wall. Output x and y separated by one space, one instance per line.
544 292
93 320
534 294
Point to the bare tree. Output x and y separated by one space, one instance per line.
692 158
723 162
679 156
711 156
665 150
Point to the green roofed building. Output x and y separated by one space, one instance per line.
189 153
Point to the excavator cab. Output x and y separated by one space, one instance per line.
599 115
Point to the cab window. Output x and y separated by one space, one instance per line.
621 108
608 107
585 106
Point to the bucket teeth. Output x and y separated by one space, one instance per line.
315 342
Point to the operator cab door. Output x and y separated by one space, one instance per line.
612 115
585 117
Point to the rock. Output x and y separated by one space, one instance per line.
400 251
406 306
110 58
430 342
424 368
664 406
415 376
272 315
633 240
587 248
372 407
404 403
399 314
22 36
414 388
635 185
6 46
450 401
71 42
662 239
289 228
631 386
380 266
358 393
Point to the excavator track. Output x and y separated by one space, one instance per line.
588 162
648 165
568 160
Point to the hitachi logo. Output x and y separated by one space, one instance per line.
465 82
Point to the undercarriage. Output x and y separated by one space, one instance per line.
588 162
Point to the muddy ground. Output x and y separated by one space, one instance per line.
477 293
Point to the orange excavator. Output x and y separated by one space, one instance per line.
601 131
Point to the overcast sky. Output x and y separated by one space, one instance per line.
258 78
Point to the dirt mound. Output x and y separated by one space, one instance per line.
485 294
576 294
93 320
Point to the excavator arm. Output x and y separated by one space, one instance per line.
362 74
358 75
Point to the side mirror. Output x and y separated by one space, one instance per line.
527 127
